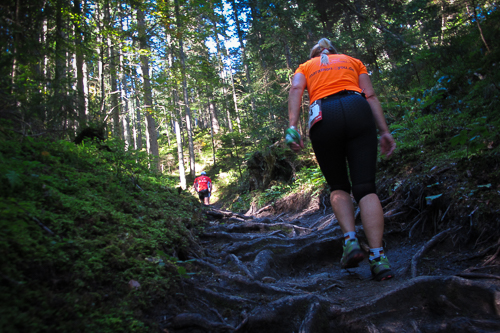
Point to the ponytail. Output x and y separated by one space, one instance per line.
323 48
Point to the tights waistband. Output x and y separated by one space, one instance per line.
345 92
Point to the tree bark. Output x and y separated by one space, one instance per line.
79 60
221 70
248 83
185 93
151 135
235 99
115 105
474 11
136 125
177 121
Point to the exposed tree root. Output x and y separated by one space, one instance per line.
271 277
478 276
195 320
293 230
424 249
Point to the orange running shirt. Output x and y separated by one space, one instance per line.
324 80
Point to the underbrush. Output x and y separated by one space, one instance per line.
90 239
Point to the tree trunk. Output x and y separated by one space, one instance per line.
212 128
178 136
124 102
114 106
221 70
79 60
235 99
248 84
136 125
100 51
151 135
474 12
185 93
177 120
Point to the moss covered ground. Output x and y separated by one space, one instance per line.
90 239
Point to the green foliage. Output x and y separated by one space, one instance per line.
473 138
77 224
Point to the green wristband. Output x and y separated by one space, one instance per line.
291 135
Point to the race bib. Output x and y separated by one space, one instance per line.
314 113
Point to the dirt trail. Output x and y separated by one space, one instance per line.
282 274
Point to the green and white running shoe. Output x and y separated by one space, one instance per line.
381 269
353 254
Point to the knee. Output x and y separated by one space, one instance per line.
362 190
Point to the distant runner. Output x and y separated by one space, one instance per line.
203 185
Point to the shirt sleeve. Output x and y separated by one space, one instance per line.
301 69
361 67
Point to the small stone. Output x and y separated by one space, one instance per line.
268 279
134 284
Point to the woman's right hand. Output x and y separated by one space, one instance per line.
387 144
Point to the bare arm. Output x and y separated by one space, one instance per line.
387 144
294 102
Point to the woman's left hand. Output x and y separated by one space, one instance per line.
297 147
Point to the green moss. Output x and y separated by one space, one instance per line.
77 224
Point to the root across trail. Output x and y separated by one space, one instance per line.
282 274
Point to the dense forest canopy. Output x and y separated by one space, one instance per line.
154 72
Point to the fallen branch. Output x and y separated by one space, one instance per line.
263 209
424 249
493 257
43 226
219 214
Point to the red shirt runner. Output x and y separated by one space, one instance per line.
203 183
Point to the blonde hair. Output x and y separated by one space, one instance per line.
323 48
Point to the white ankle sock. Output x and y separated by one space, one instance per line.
349 235
376 252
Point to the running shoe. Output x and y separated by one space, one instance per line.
381 269
352 255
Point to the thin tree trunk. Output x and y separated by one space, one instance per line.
185 93
136 125
221 70
151 135
15 46
100 51
248 83
115 106
124 102
474 11
79 60
178 136
177 120
212 128
235 99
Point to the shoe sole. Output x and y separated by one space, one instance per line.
384 275
354 258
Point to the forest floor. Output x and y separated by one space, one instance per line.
280 272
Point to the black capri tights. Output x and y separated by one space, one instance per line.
347 132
